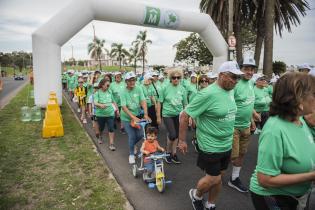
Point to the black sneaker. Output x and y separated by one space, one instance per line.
168 159
211 208
175 159
237 184
197 204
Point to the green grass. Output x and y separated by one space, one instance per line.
10 71
104 68
57 173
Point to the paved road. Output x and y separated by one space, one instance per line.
10 88
183 176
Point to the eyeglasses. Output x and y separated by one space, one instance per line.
174 78
204 80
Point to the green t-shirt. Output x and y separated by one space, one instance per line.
131 99
64 78
117 89
270 90
148 92
262 99
174 100
107 99
156 92
244 99
185 82
72 82
214 110
312 129
191 91
284 148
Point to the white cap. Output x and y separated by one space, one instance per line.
230 66
130 75
85 76
161 76
212 75
79 74
118 73
193 74
305 66
312 72
155 73
147 76
248 61
257 76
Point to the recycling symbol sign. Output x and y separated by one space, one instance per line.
160 18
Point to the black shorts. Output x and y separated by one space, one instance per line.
274 202
213 163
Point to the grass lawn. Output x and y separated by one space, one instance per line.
58 173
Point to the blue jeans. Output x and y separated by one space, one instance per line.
134 135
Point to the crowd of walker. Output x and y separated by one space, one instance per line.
223 110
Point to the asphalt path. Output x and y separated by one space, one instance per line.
10 88
183 176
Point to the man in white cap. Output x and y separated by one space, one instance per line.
304 68
245 98
214 109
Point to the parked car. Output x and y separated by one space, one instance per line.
18 77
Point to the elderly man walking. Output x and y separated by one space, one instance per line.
214 110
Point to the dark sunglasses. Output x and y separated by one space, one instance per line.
204 80
174 78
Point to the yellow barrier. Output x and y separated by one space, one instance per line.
52 124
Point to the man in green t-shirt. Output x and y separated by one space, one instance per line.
244 98
213 109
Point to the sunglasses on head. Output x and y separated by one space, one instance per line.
174 78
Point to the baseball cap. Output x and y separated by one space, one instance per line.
248 61
193 74
147 76
130 75
230 66
212 75
305 66
154 73
161 76
95 85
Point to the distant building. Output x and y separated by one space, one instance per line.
106 60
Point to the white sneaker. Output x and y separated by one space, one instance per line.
79 110
132 159
84 121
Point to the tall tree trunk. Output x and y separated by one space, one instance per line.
135 66
238 34
259 39
119 63
231 8
100 63
268 41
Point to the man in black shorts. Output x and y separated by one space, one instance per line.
214 111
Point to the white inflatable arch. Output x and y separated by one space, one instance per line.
48 39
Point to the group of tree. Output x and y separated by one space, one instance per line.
16 59
258 17
192 50
137 52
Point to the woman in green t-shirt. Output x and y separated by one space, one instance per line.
173 97
132 100
286 153
262 100
105 111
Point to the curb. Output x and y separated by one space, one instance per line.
128 205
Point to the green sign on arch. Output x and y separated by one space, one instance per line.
162 18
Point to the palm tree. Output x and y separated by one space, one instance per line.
142 43
134 56
96 49
119 52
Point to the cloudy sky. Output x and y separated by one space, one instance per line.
18 19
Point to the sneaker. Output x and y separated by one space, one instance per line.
168 159
122 130
197 204
100 142
84 121
112 147
175 159
211 208
237 184
132 159
194 143
79 110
